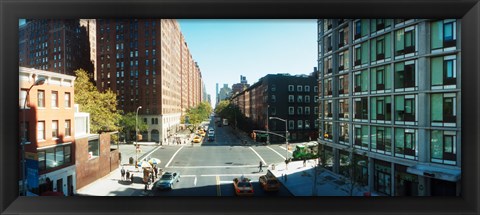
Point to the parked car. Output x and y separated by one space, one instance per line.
211 137
243 187
166 181
211 131
269 182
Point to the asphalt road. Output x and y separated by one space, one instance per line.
208 168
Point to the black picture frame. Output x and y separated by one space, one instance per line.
11 11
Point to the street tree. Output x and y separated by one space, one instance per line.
102 107
127 125
196 115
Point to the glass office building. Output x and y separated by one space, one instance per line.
390 97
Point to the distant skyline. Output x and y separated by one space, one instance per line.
226 49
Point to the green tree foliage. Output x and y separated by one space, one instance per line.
102 107
128 123
197 114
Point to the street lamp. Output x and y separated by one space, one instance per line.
136 136
39 81
286 132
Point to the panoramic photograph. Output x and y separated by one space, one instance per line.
239 107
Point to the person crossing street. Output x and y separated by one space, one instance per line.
260 167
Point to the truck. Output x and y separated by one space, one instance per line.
225 121
306 151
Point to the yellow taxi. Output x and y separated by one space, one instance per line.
269 182
197 139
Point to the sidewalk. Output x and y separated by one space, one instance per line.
299 181
112 185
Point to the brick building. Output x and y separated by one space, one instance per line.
50 163
147 63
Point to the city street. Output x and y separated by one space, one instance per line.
208 168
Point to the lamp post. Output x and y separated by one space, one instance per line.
39 81
286 132
136 136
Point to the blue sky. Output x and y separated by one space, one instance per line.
226 49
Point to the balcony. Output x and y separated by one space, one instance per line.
380 86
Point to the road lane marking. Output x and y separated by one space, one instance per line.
238 175
171 159
219 192
195 181
148 155
285 149
210 167
276 152
264 163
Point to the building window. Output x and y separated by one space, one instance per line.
405 75
328 65
361 137
291 98
274 98
23 97
55 129
443 71
41 130
307 124
382 177
328 43
93 148
307 99
443 109
405 41
299 88
405 143
343 84
380 78
315 110
54 99
299 124
291 110
443 147
343 137
358 29
328 108
54 157
290 88
68 127
328 87
381 140
299 110
307 88
381 108
361 81
291 124
300 99
343 37
273 88
361 108
443 34
307 110
41 98
343 108
379 46
328 131
405 108
315 89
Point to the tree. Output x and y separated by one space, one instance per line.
128 123
354 168
102 107
197 114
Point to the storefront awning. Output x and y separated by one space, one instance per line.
452 175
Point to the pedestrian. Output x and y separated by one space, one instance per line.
122 171
304 162
155 170
131 177
260 167
128 175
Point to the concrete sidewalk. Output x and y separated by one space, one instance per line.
299 181
112 184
